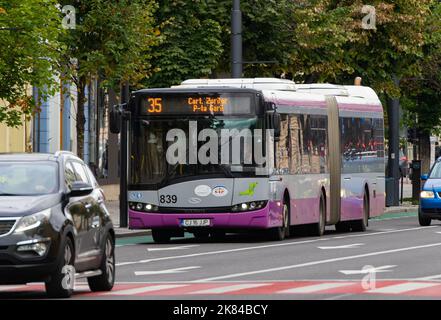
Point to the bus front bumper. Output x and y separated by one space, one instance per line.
258 219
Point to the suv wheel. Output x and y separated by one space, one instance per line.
424 221
106 280
61 283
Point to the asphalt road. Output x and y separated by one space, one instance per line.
394 259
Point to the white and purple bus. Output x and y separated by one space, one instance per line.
323 161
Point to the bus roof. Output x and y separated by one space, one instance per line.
273 85
249 83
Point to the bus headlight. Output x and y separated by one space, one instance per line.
249 206
427 194
143 207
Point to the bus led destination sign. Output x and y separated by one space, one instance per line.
208 104
183 104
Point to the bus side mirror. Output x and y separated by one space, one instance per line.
274 122
115 118
424 177
277 121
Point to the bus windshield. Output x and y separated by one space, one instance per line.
149 165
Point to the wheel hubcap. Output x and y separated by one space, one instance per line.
285 216
110 261
67 255
366 211
322 216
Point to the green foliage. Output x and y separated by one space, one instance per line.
333 46
112 40
31 29
190 41
422 94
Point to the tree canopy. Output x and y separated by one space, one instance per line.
29 32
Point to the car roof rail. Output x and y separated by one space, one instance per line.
64 152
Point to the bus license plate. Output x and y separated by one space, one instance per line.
195 222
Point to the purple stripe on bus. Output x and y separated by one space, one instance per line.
360 107
300 103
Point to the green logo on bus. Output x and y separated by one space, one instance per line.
250 190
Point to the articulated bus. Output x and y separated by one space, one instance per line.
323 147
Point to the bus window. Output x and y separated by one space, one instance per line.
283 156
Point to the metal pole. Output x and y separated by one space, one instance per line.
394 145
236 40
123 206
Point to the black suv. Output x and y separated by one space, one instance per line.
54 226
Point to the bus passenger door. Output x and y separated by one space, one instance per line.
334 160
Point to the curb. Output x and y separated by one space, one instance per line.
399 210
126 233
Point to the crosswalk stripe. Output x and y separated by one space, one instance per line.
226 289
149 288
402 287
316 287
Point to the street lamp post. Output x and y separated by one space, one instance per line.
123 208
394 148
236 40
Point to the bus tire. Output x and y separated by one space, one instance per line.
318 229
424 221
160 236
280 233
343 226
361 225
218 235
201 235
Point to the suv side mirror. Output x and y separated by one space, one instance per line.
79 189
115 117
424 177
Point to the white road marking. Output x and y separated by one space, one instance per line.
403 287
7 288
316 287
150 288
346 246
267 246
369 270
434 277
313 263
167 271
231 288
173 248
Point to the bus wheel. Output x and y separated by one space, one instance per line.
318 229
424 221
218 235
202 235
343 226
280 233
161 236
361 225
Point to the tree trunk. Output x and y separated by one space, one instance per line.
81 119
424 151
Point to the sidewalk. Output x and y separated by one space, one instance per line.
113 207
